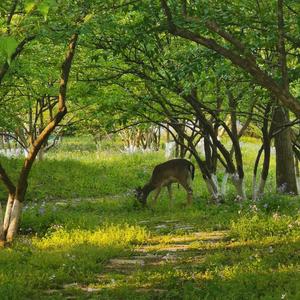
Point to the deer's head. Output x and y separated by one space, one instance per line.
140 195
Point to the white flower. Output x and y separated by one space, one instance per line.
254 208
52 277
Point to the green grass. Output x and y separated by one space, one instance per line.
80 219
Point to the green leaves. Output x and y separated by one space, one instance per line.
88 18
8 46
29 6
42 6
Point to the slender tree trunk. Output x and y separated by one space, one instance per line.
168 134
297 170
14 220
285 169
213 188
2 142
224 184
2 236
17 194
9 205
209 178
266 147
266 163
238 183
254 179
238 177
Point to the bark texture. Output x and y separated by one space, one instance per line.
285 169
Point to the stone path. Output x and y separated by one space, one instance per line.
173 251
178 250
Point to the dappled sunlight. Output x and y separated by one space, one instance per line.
189 237
157 258
109 235
92 240
202 271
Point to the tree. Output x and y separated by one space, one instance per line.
16 192
252 62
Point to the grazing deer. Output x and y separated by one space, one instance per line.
175 170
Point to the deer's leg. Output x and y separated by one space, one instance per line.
157 192
169 187
187 186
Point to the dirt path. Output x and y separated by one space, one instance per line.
163 252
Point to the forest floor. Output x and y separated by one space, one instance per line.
82 236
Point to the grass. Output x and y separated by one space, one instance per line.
82 237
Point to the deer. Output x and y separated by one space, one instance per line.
175 170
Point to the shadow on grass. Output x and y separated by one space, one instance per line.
227 270
214 274
66 179
93 213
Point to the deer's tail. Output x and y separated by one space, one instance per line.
192 170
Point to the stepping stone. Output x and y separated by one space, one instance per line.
148 256
61 203
70 285
162 226
117 261
176 247
184 227
91 290
143 290
170 257
171 221
211 237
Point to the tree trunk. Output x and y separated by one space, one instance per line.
297 174
267 134
224 184
285 169
213 188
2 236
238 183
17 194
6 219
41 154
9 205
14 220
